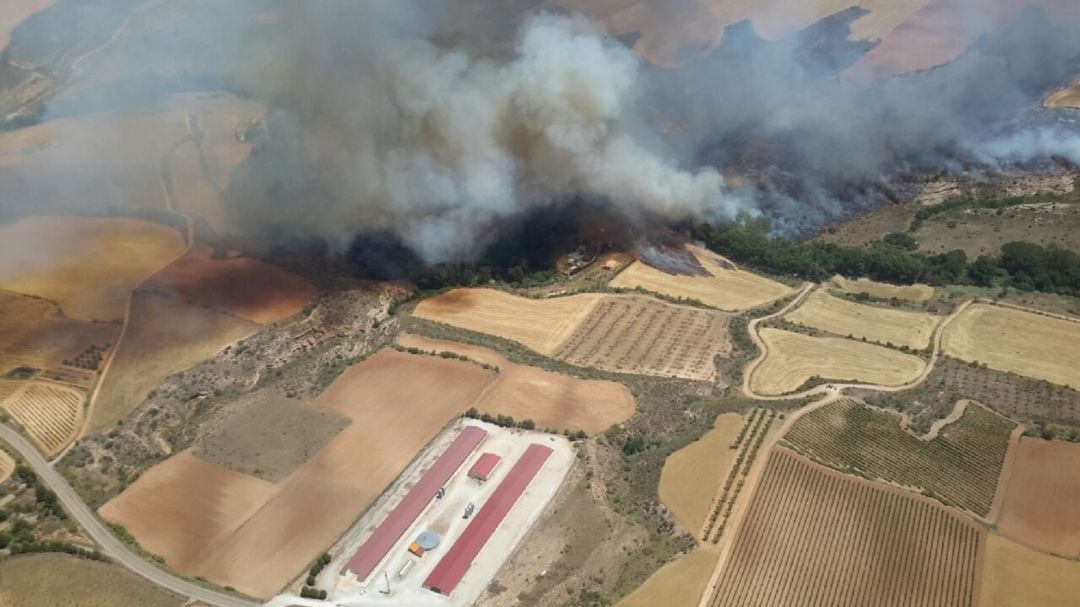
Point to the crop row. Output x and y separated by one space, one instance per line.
748 443
814 537
49 414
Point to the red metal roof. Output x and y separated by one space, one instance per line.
373 550
484 466
448 573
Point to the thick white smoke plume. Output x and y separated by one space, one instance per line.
442 147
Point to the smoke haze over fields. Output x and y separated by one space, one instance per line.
392 117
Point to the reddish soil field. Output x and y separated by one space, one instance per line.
552 400
397 403
241 286
1042 500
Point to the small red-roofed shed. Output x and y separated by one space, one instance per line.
484 466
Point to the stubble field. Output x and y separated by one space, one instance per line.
883 290
726 289
552 400
50 413
816 537
680 582
1013 340
87 265
396 403
1017 576
794 358
34 333
164 336
960 466
540 324
878 324
1042 499
644 336
54 580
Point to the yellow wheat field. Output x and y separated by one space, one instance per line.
1017 576
883 290
540 324
1013 340
87 265
49 413
794 358
692 475
680 582
731 290
882 325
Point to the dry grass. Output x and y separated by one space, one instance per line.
680 582
87 265
1013 340
1067 98
540 324
248 288
883 325
1017 576
731 290
794 358
883 290
164 336
1042 499
55 580
50 413
7 466
635 334
397 404
34 333
692 475
816 537
552 400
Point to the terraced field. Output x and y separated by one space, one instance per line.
49 413
816 537
874 323
641 335
960 466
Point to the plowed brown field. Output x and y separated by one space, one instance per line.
87 265
1042 499
726 289
397 403
540 324
815 537
552 400
51 414
34 333
875 323
794 358
164 337
241 286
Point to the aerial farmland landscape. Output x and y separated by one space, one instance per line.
552 303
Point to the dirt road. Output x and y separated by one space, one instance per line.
109 544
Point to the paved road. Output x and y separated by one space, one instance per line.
110 545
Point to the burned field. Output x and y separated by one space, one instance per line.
809 528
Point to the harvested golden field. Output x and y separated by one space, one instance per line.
1013 340
633 334
960 466
50 413
794 358
251 289
59 580
813 536
680 582
8 387
552 400
34 333
883 290
164 336
540 324
726 289
397 403
1042 499
693 475
1017 576
875 323
87 265
7 466
1067 98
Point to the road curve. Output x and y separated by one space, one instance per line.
101 534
